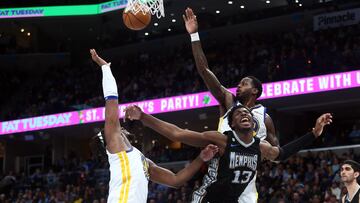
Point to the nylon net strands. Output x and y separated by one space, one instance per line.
155 7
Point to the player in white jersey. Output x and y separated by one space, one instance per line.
129 169
248 89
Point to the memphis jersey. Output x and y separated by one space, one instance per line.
129 177
259 114
231 177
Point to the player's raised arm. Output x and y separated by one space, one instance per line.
112 123
222 95
282 153
173 132
270 131
167 177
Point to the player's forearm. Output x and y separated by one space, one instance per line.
200 58
164 128
206 74
293 147
175 133
187 173
111 95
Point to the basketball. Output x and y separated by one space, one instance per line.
136 21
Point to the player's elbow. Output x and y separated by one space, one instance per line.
274 154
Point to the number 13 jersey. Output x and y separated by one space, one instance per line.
231 178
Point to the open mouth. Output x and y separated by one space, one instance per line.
244 120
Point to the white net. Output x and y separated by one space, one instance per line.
155 7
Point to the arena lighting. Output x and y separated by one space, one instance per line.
279 89
169 29
230 2
146 33
28 34
300 5
173 20
217 11
267 1
22 30
156 24
242 6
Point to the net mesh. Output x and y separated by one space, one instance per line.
155 7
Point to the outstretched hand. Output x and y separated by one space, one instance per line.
321 122
190 21
209 152
97 59
133 112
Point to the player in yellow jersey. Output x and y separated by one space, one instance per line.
129 169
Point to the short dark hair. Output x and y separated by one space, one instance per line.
257 85
355 165
231 113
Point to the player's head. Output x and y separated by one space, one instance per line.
349 171
241 119
248 87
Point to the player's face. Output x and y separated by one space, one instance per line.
347 173
244 88
242 119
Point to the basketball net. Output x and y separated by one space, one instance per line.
155 7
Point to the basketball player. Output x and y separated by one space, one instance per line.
233 174
349 172
129 169
247 92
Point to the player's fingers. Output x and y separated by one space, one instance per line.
188 13
211 147
184 17
191 11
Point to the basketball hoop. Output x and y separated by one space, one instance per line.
155 7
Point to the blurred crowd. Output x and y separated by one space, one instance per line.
310 177
294 54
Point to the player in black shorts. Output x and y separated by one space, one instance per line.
232 175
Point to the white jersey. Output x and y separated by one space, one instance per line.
129 177
259 114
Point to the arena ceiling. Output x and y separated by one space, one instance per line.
91 27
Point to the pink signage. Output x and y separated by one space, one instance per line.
185 102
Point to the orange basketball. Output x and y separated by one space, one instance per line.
136 21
